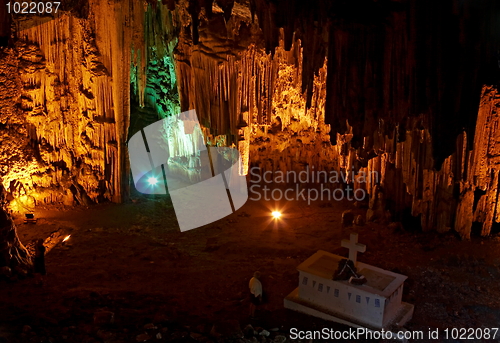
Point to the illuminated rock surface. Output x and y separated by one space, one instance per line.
290 84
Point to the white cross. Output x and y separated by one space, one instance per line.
353 247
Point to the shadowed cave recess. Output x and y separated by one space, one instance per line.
405 89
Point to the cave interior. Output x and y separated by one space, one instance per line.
371 116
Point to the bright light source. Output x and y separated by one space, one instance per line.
66 238
153 181
276 214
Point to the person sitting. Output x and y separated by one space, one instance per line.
255 293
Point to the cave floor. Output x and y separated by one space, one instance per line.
132 260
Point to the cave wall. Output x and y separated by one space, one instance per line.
66 96
387 86
396 85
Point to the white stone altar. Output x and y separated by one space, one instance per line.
375 305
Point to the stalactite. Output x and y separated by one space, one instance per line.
74 99
269 118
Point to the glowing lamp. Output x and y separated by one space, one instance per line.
153 181
276 214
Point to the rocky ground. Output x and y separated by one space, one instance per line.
128 275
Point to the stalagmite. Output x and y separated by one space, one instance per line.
14 258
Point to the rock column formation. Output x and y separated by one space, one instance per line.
65 97
387 79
